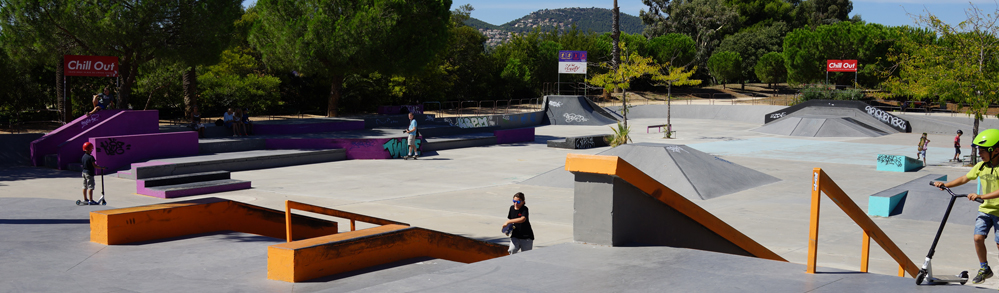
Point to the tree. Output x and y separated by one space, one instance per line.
137 32
961 66
707 22
806 52
725 66
675 49
670 76
751 44
632 67
337 38
770 69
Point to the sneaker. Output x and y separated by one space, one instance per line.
414 157
406 157
983 273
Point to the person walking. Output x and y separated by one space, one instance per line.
957 146
921 148
411 154
521 234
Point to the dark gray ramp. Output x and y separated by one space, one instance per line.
574 110
690 172
572 267
817 121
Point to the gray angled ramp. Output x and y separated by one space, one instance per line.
574 110
808 126
691 173
781 127
819 121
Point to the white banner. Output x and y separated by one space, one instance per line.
572 67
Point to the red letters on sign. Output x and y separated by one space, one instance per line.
76 65
841 65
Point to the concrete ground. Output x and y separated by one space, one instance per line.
466 192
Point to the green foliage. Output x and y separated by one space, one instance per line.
725 66
674 49
622 135
751 44
827 93
770 68
234 82
806 52
707 22
338 38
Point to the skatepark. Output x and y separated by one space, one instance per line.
749 174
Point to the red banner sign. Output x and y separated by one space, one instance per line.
841 65
76 65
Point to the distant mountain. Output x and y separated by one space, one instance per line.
593 19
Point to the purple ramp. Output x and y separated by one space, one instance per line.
123 123
49 143
119 151
514 135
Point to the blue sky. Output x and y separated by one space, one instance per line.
887 12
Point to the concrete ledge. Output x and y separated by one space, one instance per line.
580 142
194 188
882 204
240 163
115 152
328 255
168 220
896 163
458 143
281 128
233 145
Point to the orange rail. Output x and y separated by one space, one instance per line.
289 205
821 183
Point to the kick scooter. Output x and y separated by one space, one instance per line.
100 201
927 271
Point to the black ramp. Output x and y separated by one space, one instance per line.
692 173
574 110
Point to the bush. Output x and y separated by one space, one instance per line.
825 93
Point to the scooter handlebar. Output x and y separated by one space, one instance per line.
978 200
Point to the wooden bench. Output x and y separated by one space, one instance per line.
660 127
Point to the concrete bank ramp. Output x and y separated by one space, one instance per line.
690 172
827 122
575 110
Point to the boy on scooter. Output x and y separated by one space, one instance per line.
89 163
988 211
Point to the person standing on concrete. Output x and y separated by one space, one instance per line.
412 138
921 148
521 236
957 146
89 164
988 212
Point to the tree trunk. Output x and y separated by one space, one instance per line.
334 101
190 79
624 108
125 89
974 150
61 100
669 109
615 37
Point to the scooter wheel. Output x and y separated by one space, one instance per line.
78 202
964 277
920 276
104 202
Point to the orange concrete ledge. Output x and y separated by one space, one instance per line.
328 255
615 166
162 221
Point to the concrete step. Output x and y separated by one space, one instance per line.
234 161
194 188
231 145
182 179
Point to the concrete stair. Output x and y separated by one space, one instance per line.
189 184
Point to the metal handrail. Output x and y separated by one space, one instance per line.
289 205
821 183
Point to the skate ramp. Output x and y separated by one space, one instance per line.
819 121
690 172
574 110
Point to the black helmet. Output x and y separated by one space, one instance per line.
960 132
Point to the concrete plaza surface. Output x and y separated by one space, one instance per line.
44 237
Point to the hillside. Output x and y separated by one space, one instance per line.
597 20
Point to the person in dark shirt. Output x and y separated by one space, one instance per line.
522 236
102 101
89 164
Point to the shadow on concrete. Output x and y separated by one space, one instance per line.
369 270
226 235
12 173
42 221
